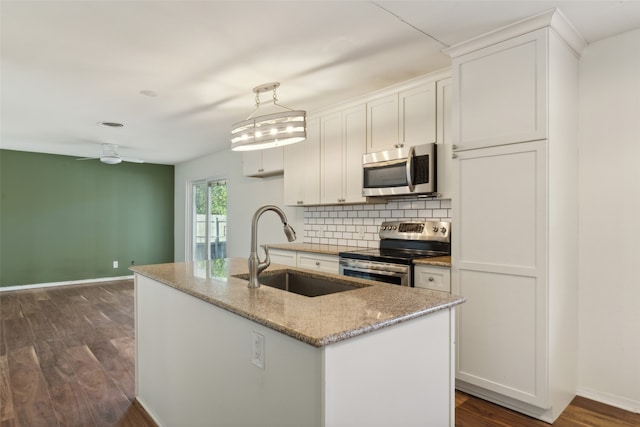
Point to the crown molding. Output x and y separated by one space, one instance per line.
552 18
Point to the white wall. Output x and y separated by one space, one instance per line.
245 195
609 224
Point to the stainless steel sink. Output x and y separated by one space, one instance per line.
302 283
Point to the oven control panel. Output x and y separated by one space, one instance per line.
416 230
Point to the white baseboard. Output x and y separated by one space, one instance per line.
149 412
610 399
70 282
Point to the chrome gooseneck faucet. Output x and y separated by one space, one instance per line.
255 265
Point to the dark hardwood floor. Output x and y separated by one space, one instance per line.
67 359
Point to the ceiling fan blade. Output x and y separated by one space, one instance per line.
127 159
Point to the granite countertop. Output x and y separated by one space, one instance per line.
318 321
439 261
314 248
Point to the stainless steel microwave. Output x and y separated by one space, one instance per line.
398 172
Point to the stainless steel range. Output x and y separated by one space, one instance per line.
400 243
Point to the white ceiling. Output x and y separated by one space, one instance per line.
67 65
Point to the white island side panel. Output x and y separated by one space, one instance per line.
193 366
401 375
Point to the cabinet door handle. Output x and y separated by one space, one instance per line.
454 156
317 263
454 147
299 202
260 170
430 278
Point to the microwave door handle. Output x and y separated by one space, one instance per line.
410 156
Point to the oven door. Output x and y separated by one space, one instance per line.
395 274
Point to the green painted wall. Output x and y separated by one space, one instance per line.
63 219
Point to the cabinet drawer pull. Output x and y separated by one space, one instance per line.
454 156
317 263
431 279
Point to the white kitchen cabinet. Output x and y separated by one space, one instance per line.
331 158
326 263
282 256
501 92
444 152
417 111
514 253
405 118
342 144
302 168
354 125
444 102
320 262
383 122
433 278
262 163
500 258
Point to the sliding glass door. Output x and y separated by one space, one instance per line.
209 219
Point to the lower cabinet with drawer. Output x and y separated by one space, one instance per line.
320 262
309 260
434 278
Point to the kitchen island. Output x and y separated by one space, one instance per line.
375 355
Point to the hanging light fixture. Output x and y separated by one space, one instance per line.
269 130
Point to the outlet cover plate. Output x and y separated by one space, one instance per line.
257 349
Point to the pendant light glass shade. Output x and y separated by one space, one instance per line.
269 130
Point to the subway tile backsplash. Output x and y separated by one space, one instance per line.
357 225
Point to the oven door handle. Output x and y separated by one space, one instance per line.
367 267
379 272
410 157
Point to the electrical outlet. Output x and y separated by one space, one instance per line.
257 349
115 264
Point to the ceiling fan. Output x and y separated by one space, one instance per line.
110 156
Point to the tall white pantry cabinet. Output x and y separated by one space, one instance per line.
515 207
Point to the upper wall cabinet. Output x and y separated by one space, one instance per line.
444 153
444 98
342 144
302 168
326 169
405 118
261 163
501 93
